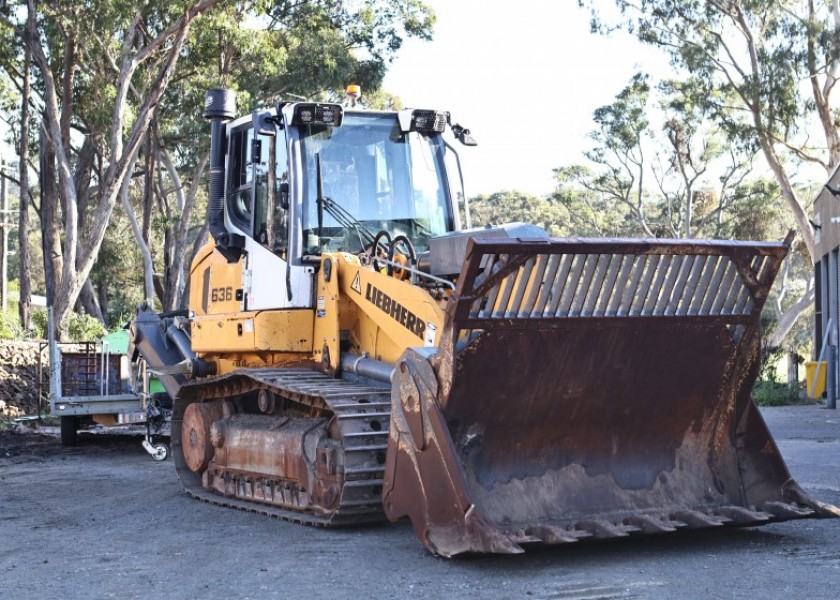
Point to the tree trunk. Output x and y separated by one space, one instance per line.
168 43
25 278
90 302
148 267
82 179
103 299
186 216
821 93
50 239
793 368
179 227
169 284
157 280
149 177
786 322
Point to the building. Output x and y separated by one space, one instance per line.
826 280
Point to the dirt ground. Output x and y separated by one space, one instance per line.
103 520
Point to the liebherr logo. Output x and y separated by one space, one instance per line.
397 311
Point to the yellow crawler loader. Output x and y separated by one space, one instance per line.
351 353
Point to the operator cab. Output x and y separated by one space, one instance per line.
385 178
308 178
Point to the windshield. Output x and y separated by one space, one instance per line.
384 178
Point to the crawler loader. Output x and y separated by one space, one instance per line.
352 354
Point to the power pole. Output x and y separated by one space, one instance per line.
4 240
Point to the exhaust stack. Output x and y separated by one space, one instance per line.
219 108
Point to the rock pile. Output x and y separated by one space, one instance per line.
19 378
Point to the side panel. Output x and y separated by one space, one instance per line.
264 331
391 315
215 284
271 278
259 281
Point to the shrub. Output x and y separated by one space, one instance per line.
10 328
773 393
39 324
79 326
84 328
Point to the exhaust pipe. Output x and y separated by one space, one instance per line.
219 108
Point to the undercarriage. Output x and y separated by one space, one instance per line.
290 443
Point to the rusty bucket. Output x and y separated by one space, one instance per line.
590 389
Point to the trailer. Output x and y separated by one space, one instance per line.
95 383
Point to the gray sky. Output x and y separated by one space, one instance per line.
524 77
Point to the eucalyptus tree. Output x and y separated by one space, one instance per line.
620 152
114 49
267 51
512 206
106 93
658 167
768 68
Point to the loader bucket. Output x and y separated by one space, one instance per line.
590 389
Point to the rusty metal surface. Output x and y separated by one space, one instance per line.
554 281
315 454
590 389
285 461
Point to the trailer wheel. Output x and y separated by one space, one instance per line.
161 451
69 427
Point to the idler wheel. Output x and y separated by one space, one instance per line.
195 434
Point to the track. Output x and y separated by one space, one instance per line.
362 414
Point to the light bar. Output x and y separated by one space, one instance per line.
311 113
429 121
423 121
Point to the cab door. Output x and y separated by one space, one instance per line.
258 207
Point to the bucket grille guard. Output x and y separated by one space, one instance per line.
614 278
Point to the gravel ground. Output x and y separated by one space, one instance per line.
105 521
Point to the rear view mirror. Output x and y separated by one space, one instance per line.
463 135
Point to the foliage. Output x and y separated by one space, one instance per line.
684 178
84 328
769 358
513 206
10 328
591 211
303 49
773 393
79 327
39 324
118 274
689 177
112 57
767 70
768 391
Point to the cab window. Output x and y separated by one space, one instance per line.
271 201
240 182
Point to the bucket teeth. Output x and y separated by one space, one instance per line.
696 520
601 529
739 515
555 535
649 524
783 510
